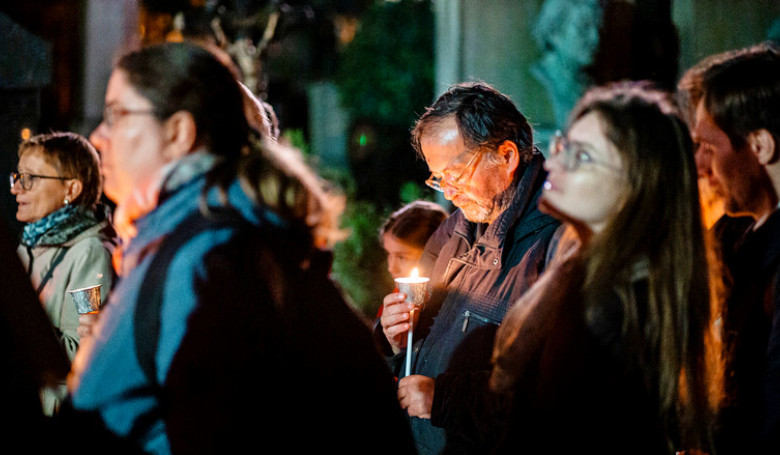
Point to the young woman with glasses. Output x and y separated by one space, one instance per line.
614 349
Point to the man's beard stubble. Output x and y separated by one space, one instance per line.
486 214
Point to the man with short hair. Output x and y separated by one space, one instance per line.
737 123
480 151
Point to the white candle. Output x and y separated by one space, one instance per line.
409 344
414 287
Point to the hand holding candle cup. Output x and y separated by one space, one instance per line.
414 287
87 301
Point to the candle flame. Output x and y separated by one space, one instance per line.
415 273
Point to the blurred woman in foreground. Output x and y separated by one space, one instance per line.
224 332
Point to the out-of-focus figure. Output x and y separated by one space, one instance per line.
224 331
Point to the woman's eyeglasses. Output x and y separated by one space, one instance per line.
112 113
572 155
27 180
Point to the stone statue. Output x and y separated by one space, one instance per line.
567 31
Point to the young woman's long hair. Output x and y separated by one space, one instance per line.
660 226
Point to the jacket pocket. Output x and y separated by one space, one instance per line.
471 318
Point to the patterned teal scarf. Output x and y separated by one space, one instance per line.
59 226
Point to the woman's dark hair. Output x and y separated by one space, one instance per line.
485 118
660 224
186 77
74 157
414 223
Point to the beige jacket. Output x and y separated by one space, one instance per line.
86 262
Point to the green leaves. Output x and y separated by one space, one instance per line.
386 73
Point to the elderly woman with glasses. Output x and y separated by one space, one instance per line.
68 240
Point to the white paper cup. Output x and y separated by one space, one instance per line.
414 288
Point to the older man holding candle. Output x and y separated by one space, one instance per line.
480 151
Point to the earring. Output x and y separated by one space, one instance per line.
66 201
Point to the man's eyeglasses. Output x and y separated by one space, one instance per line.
27 180
112 113
572 155
435 182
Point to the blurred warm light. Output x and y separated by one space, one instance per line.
415 273
175 35
26 133
346 27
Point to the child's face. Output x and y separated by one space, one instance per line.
401 257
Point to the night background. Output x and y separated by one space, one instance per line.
348 78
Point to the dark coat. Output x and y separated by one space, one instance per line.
31 356
750 421
474 281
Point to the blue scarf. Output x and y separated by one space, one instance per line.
59 226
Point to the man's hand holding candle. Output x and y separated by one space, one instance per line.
395 320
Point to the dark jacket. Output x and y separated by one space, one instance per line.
474 280
31 356
750 421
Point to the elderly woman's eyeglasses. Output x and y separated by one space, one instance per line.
112 113
27 180
435 182
572 155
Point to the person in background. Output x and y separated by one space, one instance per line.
68 239
737 120
405 232
688 97
614 350
480 151
726 228
224 333
403 236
